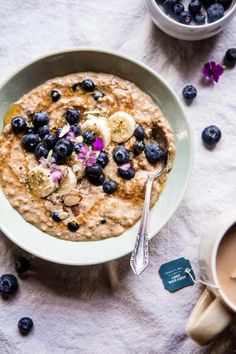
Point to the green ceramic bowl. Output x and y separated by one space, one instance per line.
83 253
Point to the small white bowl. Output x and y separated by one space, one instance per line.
188 32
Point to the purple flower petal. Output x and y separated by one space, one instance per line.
98 144
213 71
87 156
56 175
70 136
126 166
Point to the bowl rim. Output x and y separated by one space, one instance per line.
182 25
183 189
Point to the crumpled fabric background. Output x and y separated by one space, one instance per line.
106 309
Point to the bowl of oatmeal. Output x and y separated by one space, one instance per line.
78 141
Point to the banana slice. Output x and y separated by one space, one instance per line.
122 126
99 127
68 182
40 182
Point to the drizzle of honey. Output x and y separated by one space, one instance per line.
13 110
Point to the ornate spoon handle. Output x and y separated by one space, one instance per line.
139 257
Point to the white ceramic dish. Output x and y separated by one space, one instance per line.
50 248
188 32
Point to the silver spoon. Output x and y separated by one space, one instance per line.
139 256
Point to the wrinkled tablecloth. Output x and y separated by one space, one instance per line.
106 309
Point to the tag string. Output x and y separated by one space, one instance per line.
188 271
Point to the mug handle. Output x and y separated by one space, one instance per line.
208 318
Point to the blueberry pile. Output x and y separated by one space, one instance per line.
197 12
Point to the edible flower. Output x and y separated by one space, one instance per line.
70 136
87 156
98 144
56 174
213 71
126 166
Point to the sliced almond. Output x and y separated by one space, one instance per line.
71 200
63 215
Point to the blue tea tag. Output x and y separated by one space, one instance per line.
175 276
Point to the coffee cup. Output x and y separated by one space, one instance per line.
215 308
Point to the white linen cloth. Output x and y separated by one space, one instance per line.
106 309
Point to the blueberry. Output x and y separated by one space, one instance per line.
49 141
126 174
40 119
97 181
154 152
178 8
75 86
109 187
195 6
215 12
87 85
25 325
76 129
139 133
55 95
40 151
73 226
55 216
139 147
169 4
63 148
225 3
120 155
18 125
78 147
200 18
185 17
98 95
88 137
22 265
30 141
8 285
189 92
72 115
230 56
94 171
44 131
211 135
103 159
103 221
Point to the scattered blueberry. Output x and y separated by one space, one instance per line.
78 147
40 119
215 12
72 115
73 226
103 221
49 141
87 85
103 159
25 325
55 94
189 92
22 265
169 4
97 181
44 131
195 6
185 17
75 86
30 141
154 152
88 137
76 129
94 171
139 147
109 187
98 95
126 174
63 148
18 125
139 133
178 8
41 151
55 216
211 135
8 285
200 18
121 155
230 56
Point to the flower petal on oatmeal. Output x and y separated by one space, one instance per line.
56 175
70 136
98 144
126 166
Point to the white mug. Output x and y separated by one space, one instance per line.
213 311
